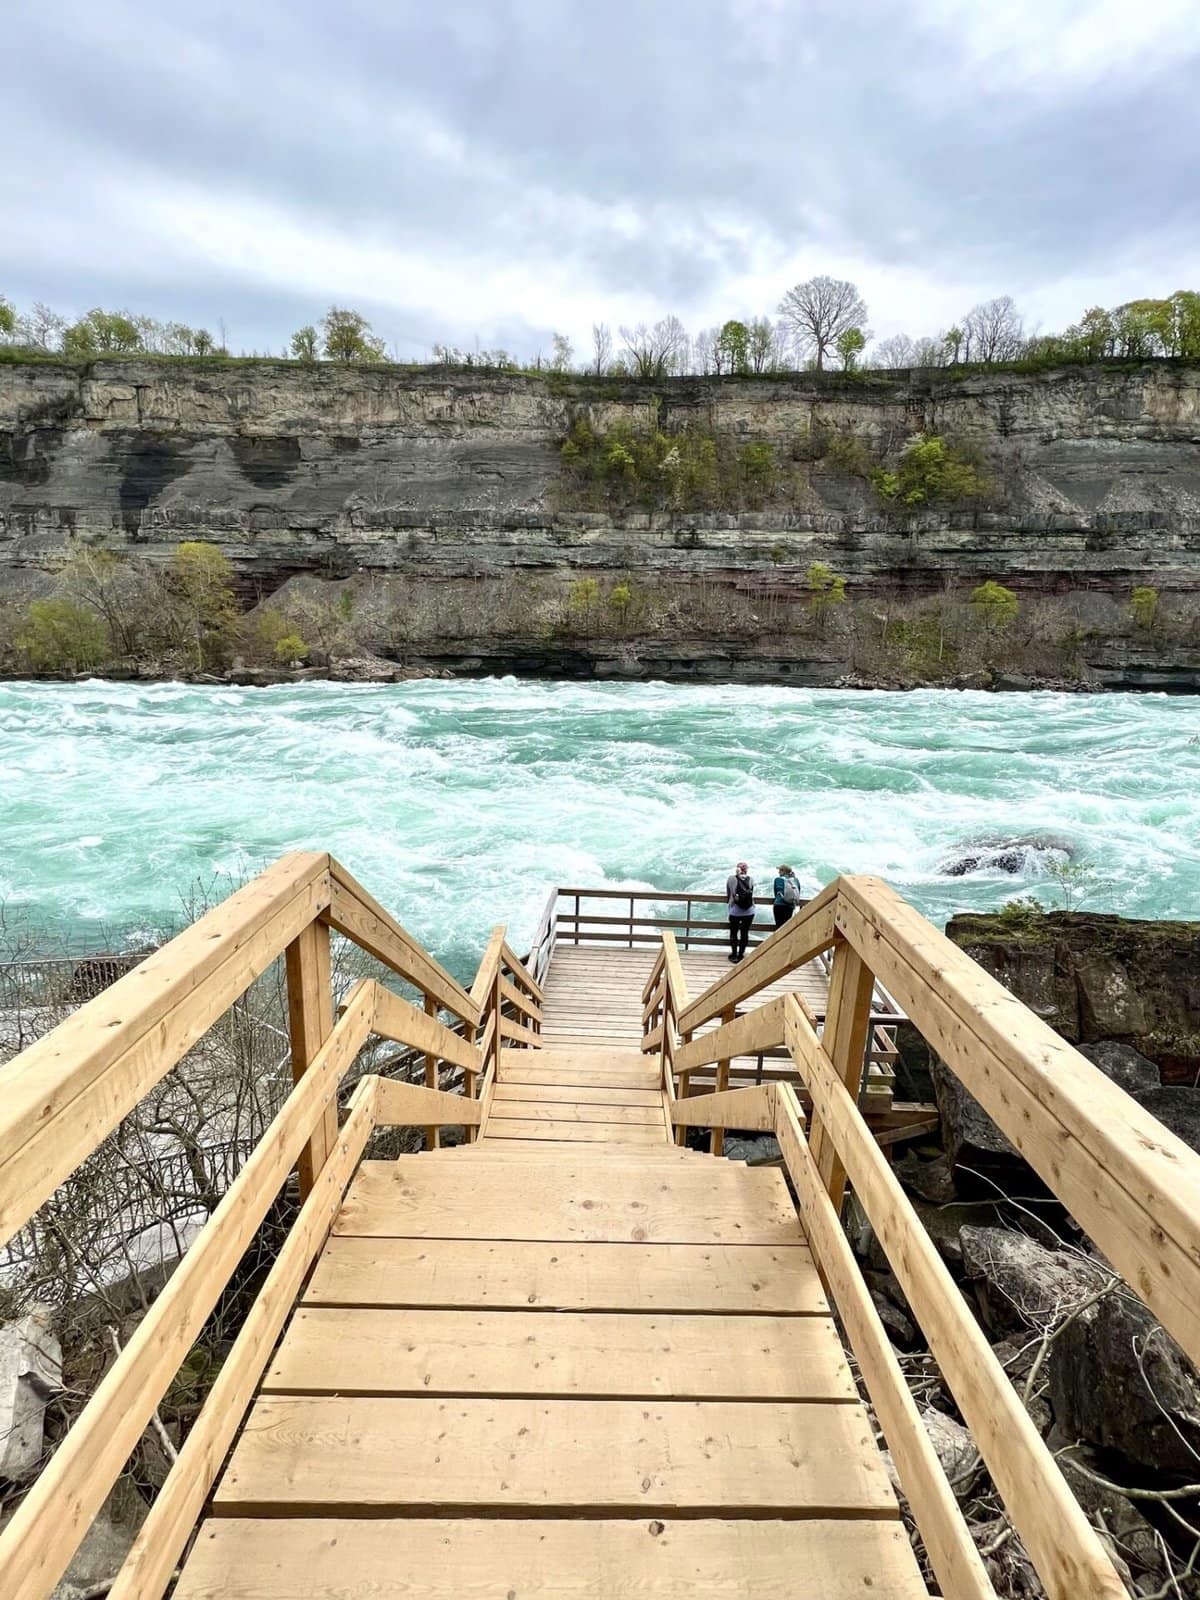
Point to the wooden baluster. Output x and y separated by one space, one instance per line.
310 1022
685 1088
718 1134
847 1026
433 1134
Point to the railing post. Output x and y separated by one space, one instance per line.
684 1089
718 1134
310 1022
432 1135
847 1026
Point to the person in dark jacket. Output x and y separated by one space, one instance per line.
787 895
739 891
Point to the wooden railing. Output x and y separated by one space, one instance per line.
65 1094
1131 1184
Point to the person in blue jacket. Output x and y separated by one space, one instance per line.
787 895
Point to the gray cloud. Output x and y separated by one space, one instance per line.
504 166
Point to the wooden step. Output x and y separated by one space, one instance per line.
579 1354
724 1203
436 1558
581 1277
577 1111
330 1456
576 1132
586 1094
582 1077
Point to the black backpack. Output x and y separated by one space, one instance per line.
743 892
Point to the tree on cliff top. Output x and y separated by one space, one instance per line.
8 317
102 333
347 336
818 311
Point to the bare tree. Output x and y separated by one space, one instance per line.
818 311
602 348
894 353
993 331
705 355
766 345
653 352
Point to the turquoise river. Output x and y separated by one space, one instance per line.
460 803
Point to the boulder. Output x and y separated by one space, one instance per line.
1120 1382
30 1374
95 1565
899 1329
1021 1284
1128 1068
1110 1002
1177 1109
932 1179
954 1446
756 1152
970 1137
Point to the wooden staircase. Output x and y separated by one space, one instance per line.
570 1358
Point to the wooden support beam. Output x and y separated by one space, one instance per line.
522 975
168 1526
489 966
847 1024
513 1030
310 1022
408 1105
718 1134
431 1075
70 1089
525 1004
1061 1542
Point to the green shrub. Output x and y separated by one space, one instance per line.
279 637
1143 602
931 472
994 605
60 636
826 589
845 452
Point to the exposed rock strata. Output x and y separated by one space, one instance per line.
426 475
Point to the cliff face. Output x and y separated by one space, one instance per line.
431 475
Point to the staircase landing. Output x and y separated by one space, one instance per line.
570 1359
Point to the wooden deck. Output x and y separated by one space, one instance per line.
569 1359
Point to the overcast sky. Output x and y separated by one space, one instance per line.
496 169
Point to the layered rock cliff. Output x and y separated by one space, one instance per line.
428 480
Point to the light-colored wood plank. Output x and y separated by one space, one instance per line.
606 1355
68 1090
1130 1183
75 1482
310 1022
359 915
778 1280
513 1030
433 1558
522 974
760 1029
396 1019
582 1111
576 1094
168 1526
1060 1540
420 1198
952 1551
320 1453
749 1109
489 966
410 1105
575 1132
847 1025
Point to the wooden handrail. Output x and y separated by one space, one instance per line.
752 1109
76 1480
70 1089
761 1029
1130 1183
411 1105
521 975
952 1552
1064 1547
395 1019
360 917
